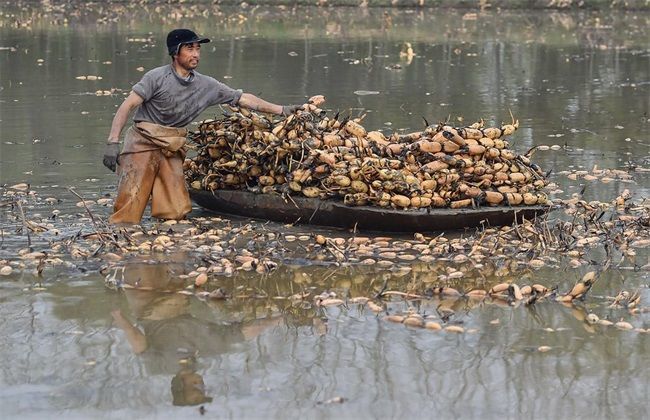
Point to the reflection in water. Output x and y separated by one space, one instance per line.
188 388
168 337
577 80
65 354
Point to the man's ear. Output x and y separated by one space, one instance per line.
178 51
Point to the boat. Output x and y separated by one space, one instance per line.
332 213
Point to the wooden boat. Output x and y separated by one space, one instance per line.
336 214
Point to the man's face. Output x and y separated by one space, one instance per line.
189 55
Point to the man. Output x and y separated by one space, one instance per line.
167 99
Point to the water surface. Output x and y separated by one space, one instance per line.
580 81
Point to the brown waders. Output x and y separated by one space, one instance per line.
151 164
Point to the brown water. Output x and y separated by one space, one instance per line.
578 81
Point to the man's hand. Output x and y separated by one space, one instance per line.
290 109
110 155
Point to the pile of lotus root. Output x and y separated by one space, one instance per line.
309 154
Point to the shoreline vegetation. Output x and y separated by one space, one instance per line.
450 4
555 5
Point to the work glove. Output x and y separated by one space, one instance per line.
290 109
110 155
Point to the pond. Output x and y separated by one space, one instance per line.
578 83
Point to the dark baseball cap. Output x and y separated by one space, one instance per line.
178 37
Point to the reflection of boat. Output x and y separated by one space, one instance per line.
336 214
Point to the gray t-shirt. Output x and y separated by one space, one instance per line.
173 101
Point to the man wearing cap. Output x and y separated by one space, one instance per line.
167 99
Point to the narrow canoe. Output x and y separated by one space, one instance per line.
336 214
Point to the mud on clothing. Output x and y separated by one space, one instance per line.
173 101
148 169
148 165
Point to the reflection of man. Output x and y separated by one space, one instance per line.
168 337
188 388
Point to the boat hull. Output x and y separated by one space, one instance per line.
302 210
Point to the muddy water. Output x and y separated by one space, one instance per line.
577 81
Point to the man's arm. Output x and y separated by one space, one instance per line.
251 101
112 150
122 114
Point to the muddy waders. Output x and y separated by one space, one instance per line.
151 165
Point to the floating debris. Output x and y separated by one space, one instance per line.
335 400
623 325
89 77
455 329
432 325
200 280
